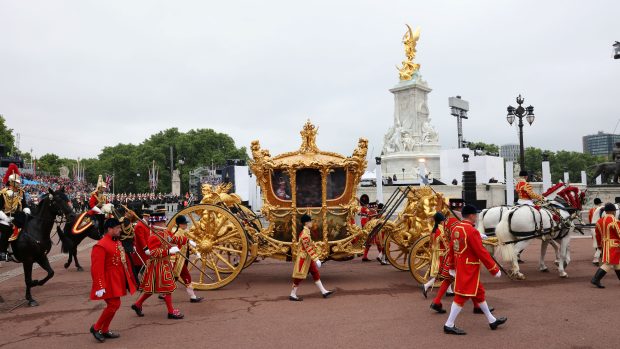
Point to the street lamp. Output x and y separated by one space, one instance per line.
520 113
616 46
403 174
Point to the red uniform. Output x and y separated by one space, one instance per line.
158 277
110 271
608 231
94 201
525 191
141 237
441 239
467 253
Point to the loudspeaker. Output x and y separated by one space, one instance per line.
469 187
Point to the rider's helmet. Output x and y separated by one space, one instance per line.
100 184
12 177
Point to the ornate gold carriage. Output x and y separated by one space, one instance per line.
309 181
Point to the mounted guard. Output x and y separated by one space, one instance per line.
13 209
526 193
96 204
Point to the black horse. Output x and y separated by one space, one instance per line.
70 241
34 243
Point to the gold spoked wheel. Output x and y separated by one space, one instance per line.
396 248
420 260
221 242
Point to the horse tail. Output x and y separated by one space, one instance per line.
502 231
65 241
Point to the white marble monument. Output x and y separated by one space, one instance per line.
411 146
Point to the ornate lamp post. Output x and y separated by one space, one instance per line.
520 112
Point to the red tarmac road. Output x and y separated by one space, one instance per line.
374 306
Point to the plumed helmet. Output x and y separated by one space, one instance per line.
100 182
180 220
305 218
12 175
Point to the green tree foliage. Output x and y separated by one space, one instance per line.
491 148
6 135
560 162
49 164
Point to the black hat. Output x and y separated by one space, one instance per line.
181 220
522 173
469 209
364 199
111 223
305 218
597 201
609 207
439 217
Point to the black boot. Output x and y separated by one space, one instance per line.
5 233
596 280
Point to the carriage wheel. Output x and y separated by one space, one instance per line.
420 260
397 253
221 242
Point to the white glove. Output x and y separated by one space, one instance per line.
192 243
147 252
100 293
498 275
97 209
483 236
318 263
107 208
4 217
27 211
452 272
173 250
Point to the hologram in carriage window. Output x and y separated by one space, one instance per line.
336 183
308 188
281 184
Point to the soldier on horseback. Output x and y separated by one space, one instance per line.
96 202
526 194
13 208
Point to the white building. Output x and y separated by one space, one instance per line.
486 167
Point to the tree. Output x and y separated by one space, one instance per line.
49 164
489 148
6 135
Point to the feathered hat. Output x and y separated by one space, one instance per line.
100 182
12 174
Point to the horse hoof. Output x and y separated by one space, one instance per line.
33 303
563 275
66 265
545 270
80 269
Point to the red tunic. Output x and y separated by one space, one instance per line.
158 277
92 202
467 252
610 234
441 237
109 269
142 233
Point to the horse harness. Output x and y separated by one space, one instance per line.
539 231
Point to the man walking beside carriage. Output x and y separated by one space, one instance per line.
307 260
525 192
466 254
608 238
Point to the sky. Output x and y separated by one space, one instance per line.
76 76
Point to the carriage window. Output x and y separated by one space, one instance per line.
281 184
309 187
336 183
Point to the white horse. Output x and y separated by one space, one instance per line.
487 224
520 224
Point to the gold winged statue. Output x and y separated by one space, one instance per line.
410 40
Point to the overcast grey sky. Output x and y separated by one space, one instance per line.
76 76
